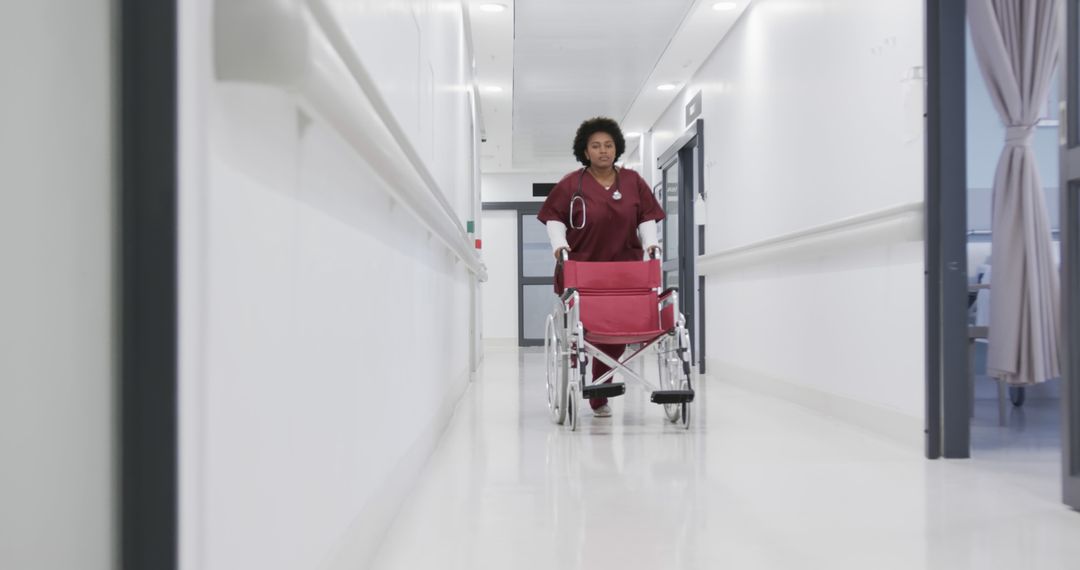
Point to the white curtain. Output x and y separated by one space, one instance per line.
1017 44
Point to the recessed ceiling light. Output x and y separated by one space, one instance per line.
724 6
491 89
493 7
632 134
667 87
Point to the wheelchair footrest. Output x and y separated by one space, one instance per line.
672 396
604 390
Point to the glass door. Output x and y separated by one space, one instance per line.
1070 259
680 167
536 283
669 236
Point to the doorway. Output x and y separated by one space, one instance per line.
682 182
536 271
535 281
958 195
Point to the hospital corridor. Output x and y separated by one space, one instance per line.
535 284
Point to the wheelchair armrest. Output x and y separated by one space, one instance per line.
669 308
569 299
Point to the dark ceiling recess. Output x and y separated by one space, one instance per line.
542 189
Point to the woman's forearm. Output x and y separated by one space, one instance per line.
647 231
557 235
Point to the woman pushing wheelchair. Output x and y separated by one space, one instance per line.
601 212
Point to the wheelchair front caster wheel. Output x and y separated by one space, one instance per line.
685 411
572 408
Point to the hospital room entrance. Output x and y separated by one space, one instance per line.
682 238
1001 218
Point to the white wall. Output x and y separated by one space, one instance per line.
326 331
515 187
808 120
57 316
415 49
632 159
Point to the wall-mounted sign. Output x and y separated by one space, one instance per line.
693 109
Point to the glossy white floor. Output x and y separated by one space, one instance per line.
756 483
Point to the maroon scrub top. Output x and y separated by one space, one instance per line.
610 232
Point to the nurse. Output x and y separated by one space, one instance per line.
601 213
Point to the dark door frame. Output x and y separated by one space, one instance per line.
1070 261
148 147
689 149
948 429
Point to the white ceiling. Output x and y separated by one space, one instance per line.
574 60
559 62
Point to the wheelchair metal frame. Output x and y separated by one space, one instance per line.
567 351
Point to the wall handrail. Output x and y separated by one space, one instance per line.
898 223
301 47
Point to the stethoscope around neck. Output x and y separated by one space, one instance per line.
579 197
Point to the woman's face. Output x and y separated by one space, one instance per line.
600 150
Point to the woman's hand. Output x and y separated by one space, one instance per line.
654 251
559 253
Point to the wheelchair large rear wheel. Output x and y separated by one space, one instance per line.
558 364
671 373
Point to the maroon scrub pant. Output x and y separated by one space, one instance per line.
599 368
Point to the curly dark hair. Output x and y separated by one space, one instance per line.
593 126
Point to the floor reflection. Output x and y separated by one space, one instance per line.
755 483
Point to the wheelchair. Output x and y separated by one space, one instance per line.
617 302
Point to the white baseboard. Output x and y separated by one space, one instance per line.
500 343
899 427
360 543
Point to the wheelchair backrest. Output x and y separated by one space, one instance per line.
616 296
611 276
